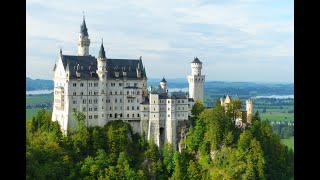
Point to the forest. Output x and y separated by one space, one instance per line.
213 149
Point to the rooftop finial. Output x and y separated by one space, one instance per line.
83 15
60 51
102 41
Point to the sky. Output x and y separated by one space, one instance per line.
236 40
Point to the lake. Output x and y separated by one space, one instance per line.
45 91
276 96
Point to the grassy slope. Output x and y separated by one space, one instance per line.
289 142
36 99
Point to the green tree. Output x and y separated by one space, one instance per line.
197 108
167 153
193 171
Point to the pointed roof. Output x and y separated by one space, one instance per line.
102 53
163 80
196 60
83 28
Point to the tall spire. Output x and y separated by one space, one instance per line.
83 27
102 53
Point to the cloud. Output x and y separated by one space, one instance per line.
168 34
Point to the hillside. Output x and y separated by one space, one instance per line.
38 84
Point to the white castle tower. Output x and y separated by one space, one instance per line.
249 108
102 73
83 40
196 80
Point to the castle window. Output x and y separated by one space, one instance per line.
132 107
127 92
102 115
115 108
110 115
116 93
135 84
116 100
132 115
138 115
90 92
121 92
90 84
121 115
168 115
127 107
74 84
120 107
120 84
81 93
101 107
127 115
113 84
74 102
95 101
128 100
178 101
168 101
81 84
178 108
182 101
154 109
95 84
106 84
138 100
74 93
138 108
95 93
138 92
110 92
120 100
128 84
95 109
90 109
182 108
168 109
154 102
84 101
90 116
84 109
96 116
110 108
154 115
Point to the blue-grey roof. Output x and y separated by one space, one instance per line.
127 65
88 67
173 95
83 28
196 60
163 80
102 53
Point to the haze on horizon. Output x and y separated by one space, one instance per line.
243 40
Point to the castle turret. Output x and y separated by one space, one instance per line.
163 84
83 40
102 63
249 108
196 80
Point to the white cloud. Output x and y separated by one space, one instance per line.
167 34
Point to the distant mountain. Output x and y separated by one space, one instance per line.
217 87
38 84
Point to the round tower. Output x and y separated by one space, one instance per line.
196 80
249 108
196 66
83 40
163 84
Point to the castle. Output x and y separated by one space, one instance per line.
107 89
